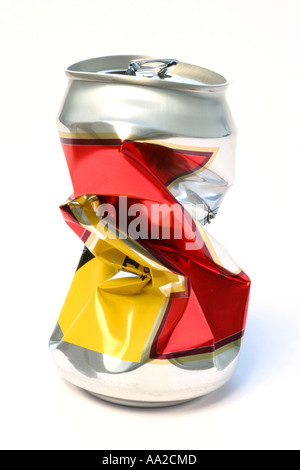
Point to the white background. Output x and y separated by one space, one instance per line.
256 45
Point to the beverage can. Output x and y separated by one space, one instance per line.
156 312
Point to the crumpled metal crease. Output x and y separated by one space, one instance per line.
151 299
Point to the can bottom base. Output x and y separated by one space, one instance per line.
140 404
148 386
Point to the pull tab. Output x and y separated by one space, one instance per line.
151 67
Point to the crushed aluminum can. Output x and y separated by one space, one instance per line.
156 312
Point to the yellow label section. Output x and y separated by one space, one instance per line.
98 317
85 282
117 300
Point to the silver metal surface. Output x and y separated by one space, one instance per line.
133 384
147 112
140 384
139 404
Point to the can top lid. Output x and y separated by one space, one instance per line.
147 71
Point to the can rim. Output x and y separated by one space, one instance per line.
113 69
